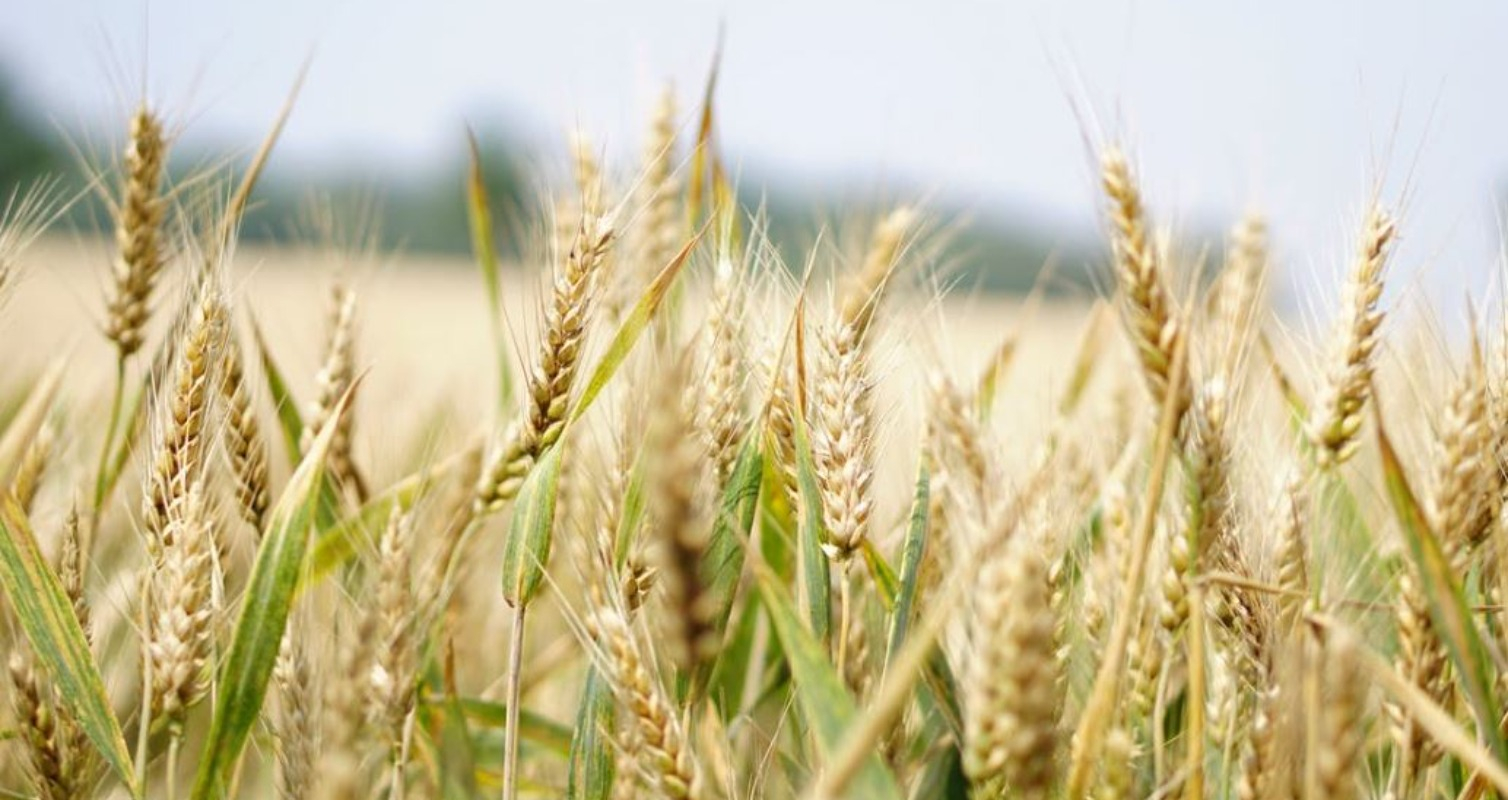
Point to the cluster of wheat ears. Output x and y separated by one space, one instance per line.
1209 574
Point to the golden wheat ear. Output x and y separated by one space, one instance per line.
1335 421
1011 685
1150 315
140 212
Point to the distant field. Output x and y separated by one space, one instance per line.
424 334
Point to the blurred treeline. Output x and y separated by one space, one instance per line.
425 212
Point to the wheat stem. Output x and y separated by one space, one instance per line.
515 677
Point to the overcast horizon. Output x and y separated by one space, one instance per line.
1291 108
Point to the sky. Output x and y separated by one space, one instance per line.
1301 110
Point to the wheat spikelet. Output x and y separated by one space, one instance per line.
722 408
780 424
1292 556
186 409
635 578
866 290
37 718
336 375
72 566
1423 661
842 441
552 376
660 190
1266 771
1210 464
1238 306
937 561
1342 735
180 613
678 508
1173 610
242 439
857 669
1116 777
26 214
1010 685
625 770
83 758
138 223
587 172
586 199
1151 318
665 761
1337 416
1144 663
297 719
1464 466
341 772
392 681
961 440
33 467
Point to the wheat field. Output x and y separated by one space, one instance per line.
658 514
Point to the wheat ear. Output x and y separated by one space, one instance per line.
842 441
553 375
866 290
138 229
296 721
336 375
1337 416
665 760
244 444
1151 318
1010 688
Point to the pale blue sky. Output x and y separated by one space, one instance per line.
1294 106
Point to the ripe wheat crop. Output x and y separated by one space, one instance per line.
735 528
